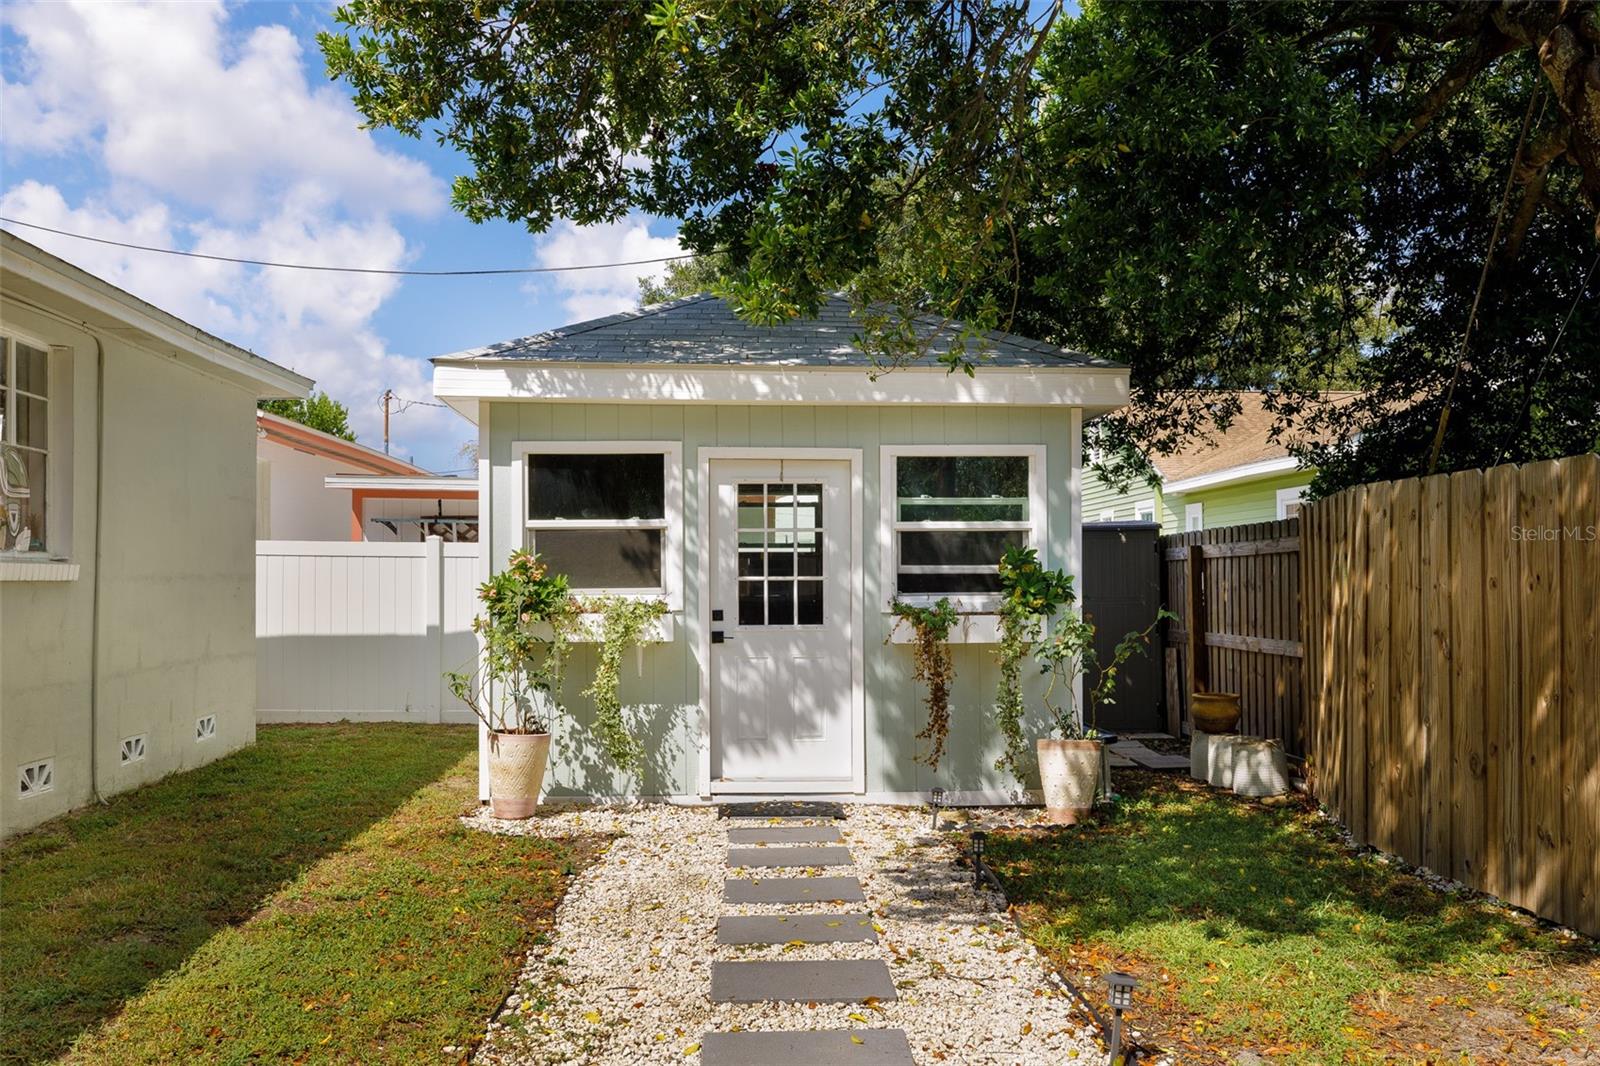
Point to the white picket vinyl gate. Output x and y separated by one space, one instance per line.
362 631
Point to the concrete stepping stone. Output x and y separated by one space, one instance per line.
806 928
786 834
793 890
820 856
781 809
859 1047
844 981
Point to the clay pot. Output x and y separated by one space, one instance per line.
1069 775
517 763
1215 712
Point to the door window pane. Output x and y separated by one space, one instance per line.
808 603
603 558
966 488
605 487
752 604
780 603
789 543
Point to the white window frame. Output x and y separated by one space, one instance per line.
57 458
1285 497
1036 525
1144 511
671 524
1194 517
1108 514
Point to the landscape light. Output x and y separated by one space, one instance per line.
936 798
977 857
1120 995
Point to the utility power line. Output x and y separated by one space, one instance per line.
345 269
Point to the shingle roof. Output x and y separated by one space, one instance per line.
1248 440
703 330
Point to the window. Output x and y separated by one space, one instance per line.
24 441
1144 511
954 511
605 515
1289 502
1108 515
1194 517
780 554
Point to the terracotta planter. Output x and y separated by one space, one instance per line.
1069 774
517 763
1215 712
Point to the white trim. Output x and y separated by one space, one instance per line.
1097 389
1144 510
1234 474
35 566
671 524
1293 494
700 624
380 482
486 541
1194 517
1108 514
1037 524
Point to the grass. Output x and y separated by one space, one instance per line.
311 898
1252 927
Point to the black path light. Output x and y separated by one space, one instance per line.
1119 994
978 839
936 800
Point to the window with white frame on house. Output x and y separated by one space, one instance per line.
953 515
1144 511
1289 502
24 440
602 518
1194 517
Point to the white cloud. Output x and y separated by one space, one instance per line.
212 140
182 109
589 294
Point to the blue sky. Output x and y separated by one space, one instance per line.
213 127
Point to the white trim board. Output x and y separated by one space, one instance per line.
1234 474
1094 388
699 623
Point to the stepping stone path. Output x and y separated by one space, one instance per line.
811 981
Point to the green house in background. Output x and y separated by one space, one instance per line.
1243 475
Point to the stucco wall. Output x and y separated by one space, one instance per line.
175 634
668 690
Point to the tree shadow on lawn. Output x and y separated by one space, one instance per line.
1264 921
97 904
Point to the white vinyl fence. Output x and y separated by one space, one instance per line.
363 631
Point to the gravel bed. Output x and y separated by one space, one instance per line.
626 975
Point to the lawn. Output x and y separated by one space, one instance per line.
1253 927
310 898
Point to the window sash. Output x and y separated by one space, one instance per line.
12 396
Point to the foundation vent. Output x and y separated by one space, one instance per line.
205 728
133 749
36 777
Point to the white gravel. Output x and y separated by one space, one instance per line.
626 975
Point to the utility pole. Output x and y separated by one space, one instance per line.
388 394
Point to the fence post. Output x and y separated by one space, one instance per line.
1199 661
433 620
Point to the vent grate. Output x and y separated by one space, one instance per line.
133 748
36 777
205 728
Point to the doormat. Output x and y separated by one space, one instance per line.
781 809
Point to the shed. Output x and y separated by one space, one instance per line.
778 495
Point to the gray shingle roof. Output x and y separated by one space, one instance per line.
703 330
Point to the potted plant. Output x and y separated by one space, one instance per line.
1039 609
527 618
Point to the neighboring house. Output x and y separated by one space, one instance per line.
777 497
127 632
312 485
1226 479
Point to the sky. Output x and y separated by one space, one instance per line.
213 127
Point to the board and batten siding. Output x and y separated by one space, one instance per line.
664 701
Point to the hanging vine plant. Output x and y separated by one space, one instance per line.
622 622
935 666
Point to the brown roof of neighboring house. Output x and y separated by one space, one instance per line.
288 432
1248 440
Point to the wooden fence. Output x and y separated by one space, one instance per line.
1453 637
1243 584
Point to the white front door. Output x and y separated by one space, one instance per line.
781 625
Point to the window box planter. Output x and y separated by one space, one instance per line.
971 629
663 630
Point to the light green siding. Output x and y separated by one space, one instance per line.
665 699
1232 505
1099 497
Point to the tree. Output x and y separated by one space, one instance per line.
683 277
319 411
1223 195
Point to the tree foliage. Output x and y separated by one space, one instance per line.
1223 195
319 411
683 277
